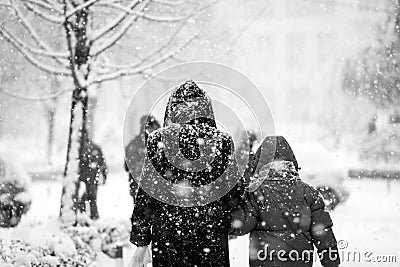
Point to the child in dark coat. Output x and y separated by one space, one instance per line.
285 216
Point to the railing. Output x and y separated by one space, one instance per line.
374 174
388 175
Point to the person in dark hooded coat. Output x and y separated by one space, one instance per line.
245 151
91 169
136 149
183 229
285 216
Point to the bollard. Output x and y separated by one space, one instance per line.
119 257
388 185
116 253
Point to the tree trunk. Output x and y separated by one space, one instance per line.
397 19
79 49
92 105
382 120
50 134
70 198
50 107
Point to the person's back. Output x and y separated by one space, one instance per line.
92 167
186 235
92 163
285 216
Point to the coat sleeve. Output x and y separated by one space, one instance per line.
233 198
102 164
126 166
244 216
321 229
131 180
142 219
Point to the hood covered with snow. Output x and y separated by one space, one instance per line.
273 148
189 104
274 171
148 123
189 160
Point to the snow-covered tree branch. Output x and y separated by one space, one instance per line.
45 6
29 55
35 98
43 14
129 71
85 4
109 42
99 33
84 53
113 67
158 18
170 3
35 36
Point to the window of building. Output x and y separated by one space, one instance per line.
325 46
295 50
309 7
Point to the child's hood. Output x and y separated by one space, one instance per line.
272 149
274 171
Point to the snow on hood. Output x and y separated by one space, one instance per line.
272 148
189 158
189 104
146 122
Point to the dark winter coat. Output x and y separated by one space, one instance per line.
281 212
244 151
92 165
190 234
135 151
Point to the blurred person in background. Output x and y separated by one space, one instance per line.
93 171
135 151
245 149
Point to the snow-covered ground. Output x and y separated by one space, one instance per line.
367 223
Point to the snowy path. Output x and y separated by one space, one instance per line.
368 221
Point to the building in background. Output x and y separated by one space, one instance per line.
295 50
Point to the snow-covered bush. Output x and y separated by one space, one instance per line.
14 202
383 147
60 251
15 199
102 236
73 246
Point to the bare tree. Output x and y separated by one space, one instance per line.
90 30
374 75
374 72
50 109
